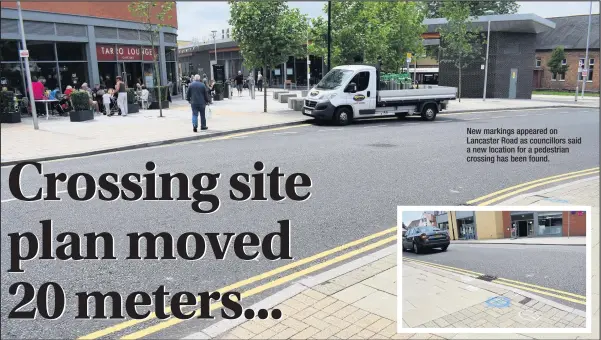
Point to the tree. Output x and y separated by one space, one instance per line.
363 31
268 33
476 8
461 42
152 15
555 63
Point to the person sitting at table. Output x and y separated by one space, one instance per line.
93 103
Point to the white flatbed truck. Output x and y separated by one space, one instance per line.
353 92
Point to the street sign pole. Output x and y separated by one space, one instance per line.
588 35
34 113
486 65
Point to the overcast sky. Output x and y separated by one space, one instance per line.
198 19
409 216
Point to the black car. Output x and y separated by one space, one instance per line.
421 238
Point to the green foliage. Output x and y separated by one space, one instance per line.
364 31
555 62
268 33
476 8
80 100
461 42
7 102
132 96
155 93
152 14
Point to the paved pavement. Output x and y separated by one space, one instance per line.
356 301
60 137
366 168
542 266
586 101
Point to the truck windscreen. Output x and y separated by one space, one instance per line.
334 79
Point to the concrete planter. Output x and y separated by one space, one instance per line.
10 117
133 108
155 105
81 116
296 104
276 94
285 96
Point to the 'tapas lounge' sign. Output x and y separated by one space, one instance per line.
124 53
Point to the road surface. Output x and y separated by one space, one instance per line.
359 174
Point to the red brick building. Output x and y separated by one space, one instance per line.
540 223
571 33
71 43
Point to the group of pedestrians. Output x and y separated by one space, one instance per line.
249 83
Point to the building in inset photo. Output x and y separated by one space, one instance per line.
482 225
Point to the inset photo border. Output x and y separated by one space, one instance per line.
530 306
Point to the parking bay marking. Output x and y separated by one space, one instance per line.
130 323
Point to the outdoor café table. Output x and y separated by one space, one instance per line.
46 101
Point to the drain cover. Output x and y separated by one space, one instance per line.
525 301
488 278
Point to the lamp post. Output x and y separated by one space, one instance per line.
329 35
308 59
488 13
214 34
586 61
34 113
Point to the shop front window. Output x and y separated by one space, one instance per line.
71 51
149 75
550 224
41 51
74 74
46 72
9 50
10 77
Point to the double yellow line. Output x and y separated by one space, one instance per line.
556 293
516 189
256 290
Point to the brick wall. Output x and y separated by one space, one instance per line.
506 223
109 10
572 58
577 224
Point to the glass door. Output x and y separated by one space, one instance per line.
531 228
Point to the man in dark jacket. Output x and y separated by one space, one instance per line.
198 98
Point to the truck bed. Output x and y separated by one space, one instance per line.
434 92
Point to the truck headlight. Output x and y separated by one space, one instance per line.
329 96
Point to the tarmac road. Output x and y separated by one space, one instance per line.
359 174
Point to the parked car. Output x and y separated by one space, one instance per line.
420 238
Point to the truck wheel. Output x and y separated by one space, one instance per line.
429 112
343 116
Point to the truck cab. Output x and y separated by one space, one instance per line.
351 92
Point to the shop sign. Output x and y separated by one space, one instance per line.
124 53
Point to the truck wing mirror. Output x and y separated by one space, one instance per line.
351 87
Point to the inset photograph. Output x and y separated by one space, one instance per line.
505 269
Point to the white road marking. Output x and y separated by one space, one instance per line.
239 137
285 133
327 130
373 126
454 191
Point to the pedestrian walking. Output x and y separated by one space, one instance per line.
120 87
260 82
251 85
198 98
239 82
